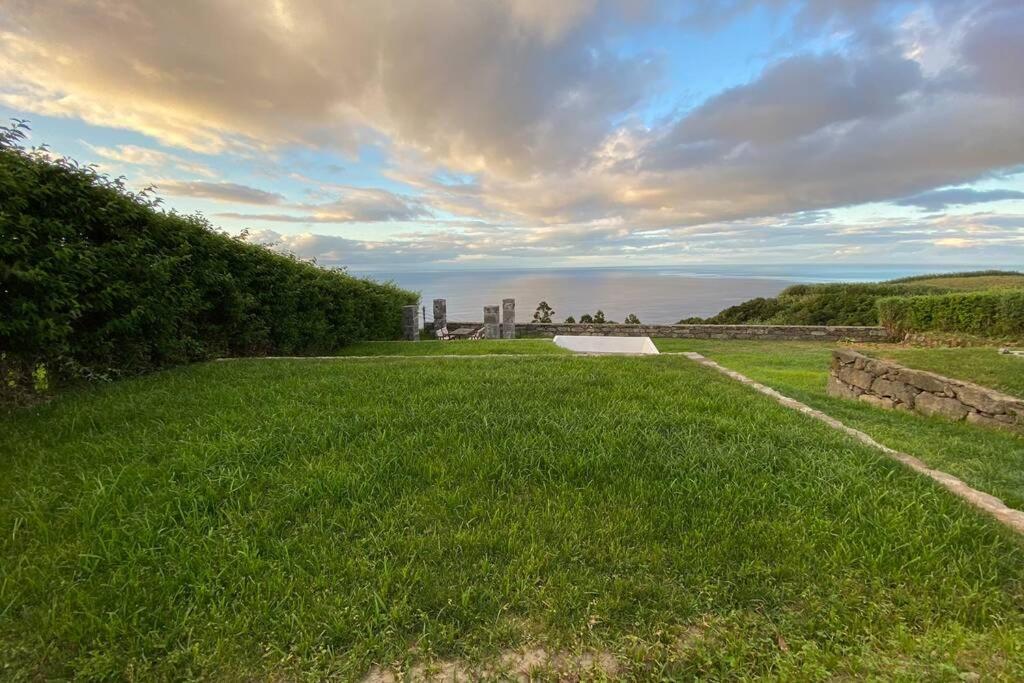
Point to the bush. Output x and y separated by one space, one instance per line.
985 314
826 304
839 303
95 281
750 311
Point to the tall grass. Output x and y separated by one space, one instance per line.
308 519
989 460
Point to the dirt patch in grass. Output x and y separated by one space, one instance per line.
636 657
523 664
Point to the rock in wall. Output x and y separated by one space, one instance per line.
888 385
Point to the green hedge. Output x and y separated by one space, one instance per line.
985 314
824 304
97 281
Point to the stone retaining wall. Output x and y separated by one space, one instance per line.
765 332
888 385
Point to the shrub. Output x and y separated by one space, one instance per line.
752 310
986 314
824 304
96 281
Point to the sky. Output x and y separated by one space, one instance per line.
441 134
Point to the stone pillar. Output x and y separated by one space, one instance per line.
440 314
508 318
411 323
492 328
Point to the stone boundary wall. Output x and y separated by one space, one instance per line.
888 385
765 332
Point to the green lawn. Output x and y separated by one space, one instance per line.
990 460
279 519
462 347
982 365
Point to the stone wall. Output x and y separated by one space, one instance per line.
763 332
888 385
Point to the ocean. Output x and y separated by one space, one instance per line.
654 294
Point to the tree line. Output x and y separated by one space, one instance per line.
544 314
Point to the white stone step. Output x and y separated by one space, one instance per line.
601 344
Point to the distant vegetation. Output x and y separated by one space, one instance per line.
985 303
96 281
972 280
827 304
543 313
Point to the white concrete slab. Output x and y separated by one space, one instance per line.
588 344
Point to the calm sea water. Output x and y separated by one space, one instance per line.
654 294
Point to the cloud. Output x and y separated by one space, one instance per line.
801 95
333 250
937 200
361 204
956 242
981 238
811 132
219 191
993 46
486 84
357 205
538 116
864 160
144 156
857 21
